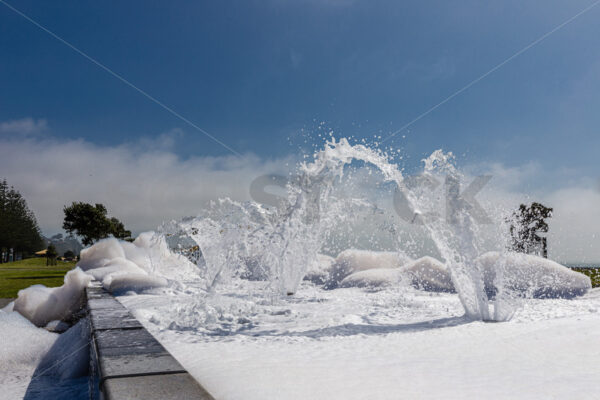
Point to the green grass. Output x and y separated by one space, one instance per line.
18 275
593 273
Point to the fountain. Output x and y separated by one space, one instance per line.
230 282
280 243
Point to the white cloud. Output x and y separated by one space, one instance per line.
141 186
25 126
509 178
575 226
164 141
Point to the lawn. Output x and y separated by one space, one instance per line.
18 275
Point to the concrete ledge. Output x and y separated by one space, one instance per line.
127 361
173 386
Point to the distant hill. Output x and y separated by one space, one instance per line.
64 244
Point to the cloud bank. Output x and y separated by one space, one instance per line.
25 126
144 183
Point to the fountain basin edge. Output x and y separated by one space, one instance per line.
126 361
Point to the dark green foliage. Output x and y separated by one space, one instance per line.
51 255
117 229
18 226
526 223
91 223
87 221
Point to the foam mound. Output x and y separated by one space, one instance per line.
318 273
22 342
373 278
352 260
100 254
122 266
22 346
41 304
116 265
126 281
429 274
531 276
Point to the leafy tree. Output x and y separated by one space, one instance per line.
526 223
18 227
91 223
117 229
51 255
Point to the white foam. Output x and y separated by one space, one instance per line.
115 265
57 326
531 276
146 250
318 272
429 274
120 266
123 266
518 275
373 278
360 260
100 253
22 345
352 260
9 307
127 281
41 304
22 342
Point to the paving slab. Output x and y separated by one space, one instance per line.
105 318
138 364
104 302
172 386
98 293
127 342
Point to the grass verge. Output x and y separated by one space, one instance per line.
18 275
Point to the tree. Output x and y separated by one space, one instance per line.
91 223
18 227
526 223
117 229
51 255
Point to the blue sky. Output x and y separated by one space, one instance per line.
263 76
255 73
